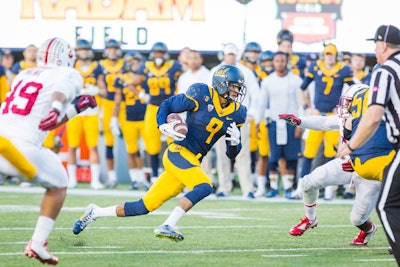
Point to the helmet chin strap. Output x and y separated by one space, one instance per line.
251 61
229 99
84 58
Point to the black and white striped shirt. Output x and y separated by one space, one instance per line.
385 91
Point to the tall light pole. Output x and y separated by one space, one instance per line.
244 2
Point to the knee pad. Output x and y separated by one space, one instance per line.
310 192
135 208
356 219
307 185
109 152
199 192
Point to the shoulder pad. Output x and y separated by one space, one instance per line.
197 90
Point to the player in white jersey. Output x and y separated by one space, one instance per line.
40 100
340 171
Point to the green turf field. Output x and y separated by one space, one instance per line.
229 232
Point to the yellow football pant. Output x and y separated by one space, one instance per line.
19 161
372 169
89 125
132 131
263 139
175 178
314 141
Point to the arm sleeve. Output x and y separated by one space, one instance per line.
320 123
306 82
232 151
174 104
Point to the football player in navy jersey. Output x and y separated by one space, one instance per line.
159 76
133 128
86 123
212 112
113 65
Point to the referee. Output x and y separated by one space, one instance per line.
384 102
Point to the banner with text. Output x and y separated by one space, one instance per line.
204 25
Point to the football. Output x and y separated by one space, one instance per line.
180 127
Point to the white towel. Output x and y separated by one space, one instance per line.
281 132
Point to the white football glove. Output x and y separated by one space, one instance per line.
234 134
114 125
145 97
90 89
168 129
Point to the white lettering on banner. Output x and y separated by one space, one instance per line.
115 9
118 33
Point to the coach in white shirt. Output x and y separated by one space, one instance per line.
197 73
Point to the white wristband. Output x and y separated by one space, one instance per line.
57 105
71 112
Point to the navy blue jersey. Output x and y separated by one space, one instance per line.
206 120
135 106
328 84
160 83
378 144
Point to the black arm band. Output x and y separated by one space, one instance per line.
348 146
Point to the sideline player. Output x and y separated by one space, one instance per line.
212 112
367 176
279 94
259 143
296 63
113 65
159 77
87 122
38 99
133 127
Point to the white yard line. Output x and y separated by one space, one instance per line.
284 255
375 260
208 251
